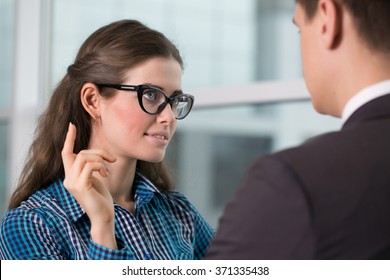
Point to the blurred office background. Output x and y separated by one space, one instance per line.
242 63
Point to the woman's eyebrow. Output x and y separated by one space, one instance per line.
153 85
176 92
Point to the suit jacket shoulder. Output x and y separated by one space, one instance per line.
345 177
325 199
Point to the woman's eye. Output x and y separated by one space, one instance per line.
177 100
151 95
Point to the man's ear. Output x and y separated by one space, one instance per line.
90 98
331 22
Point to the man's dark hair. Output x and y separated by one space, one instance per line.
370 16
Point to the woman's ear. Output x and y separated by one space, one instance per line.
90 98
331 22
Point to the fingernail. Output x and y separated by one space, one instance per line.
70 123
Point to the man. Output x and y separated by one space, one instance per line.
330 197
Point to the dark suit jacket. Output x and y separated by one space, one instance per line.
326 199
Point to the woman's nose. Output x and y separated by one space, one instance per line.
166 115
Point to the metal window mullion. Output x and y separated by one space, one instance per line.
26 83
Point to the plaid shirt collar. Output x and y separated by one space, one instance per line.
145 190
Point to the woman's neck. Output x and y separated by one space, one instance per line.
121 173
119 181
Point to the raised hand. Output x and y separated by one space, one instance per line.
81 181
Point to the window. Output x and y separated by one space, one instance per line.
6 67
240 58
214 147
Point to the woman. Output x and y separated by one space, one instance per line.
94 186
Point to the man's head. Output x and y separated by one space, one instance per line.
371 18
345 47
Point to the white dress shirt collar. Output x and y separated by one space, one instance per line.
364 96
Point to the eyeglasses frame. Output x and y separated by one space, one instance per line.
139 89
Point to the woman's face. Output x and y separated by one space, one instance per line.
126 131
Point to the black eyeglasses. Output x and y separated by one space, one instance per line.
153 100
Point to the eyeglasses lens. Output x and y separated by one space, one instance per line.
154 101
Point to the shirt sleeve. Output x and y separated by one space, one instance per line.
203 232
98 252
24 236
268 218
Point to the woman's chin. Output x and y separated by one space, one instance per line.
154 158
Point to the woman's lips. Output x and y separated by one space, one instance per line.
160 138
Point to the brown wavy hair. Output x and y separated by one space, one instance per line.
103 58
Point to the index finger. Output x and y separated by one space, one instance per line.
67 150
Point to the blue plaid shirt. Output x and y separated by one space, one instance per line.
52 225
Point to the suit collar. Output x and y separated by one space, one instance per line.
374 109
364 96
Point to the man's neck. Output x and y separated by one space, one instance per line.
364 96
360 73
